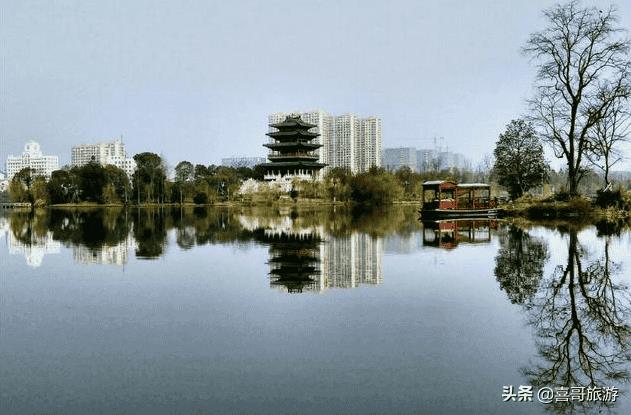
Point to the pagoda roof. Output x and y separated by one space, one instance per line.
292 133
312 164
293 144
293 121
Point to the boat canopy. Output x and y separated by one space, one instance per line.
439 185
474 185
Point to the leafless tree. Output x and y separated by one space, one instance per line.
583 67
608 134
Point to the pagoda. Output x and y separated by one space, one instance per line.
292 150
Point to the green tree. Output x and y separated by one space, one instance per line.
410 181
184 171
519 163
119 181
63 187
375 187
92 180
149 178
583 67
21 186
39 192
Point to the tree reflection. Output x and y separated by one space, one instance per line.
150 232
581 318
519 264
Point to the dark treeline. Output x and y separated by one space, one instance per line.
94 183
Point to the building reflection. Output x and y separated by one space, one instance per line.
307 258
294 260
107 255
448 234
22 239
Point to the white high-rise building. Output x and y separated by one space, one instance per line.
33 158
104 153
347 141
369 150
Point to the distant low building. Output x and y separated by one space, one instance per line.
237 162
32 158
396 158
112 153
426 161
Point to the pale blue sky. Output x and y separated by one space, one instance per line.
195 80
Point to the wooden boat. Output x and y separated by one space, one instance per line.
447 199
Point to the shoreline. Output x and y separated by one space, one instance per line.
584 211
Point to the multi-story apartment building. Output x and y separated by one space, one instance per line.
104 153
33 158
369 150
242 161
396 158
347 141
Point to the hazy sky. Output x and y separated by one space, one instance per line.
195 80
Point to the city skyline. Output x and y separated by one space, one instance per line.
348 141
181 78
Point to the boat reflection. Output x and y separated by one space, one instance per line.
448 234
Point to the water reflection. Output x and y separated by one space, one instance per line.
580 315
309 250
519 263
566 281
32 243
448 234
311 258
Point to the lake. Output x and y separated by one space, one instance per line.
285 310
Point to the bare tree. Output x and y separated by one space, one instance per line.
608 134
583 67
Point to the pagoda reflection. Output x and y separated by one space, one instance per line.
307 258
448 234
294 260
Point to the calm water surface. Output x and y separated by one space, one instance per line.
305 311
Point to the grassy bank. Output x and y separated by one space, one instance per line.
578 208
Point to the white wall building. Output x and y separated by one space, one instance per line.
112 153
347 141
33 158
